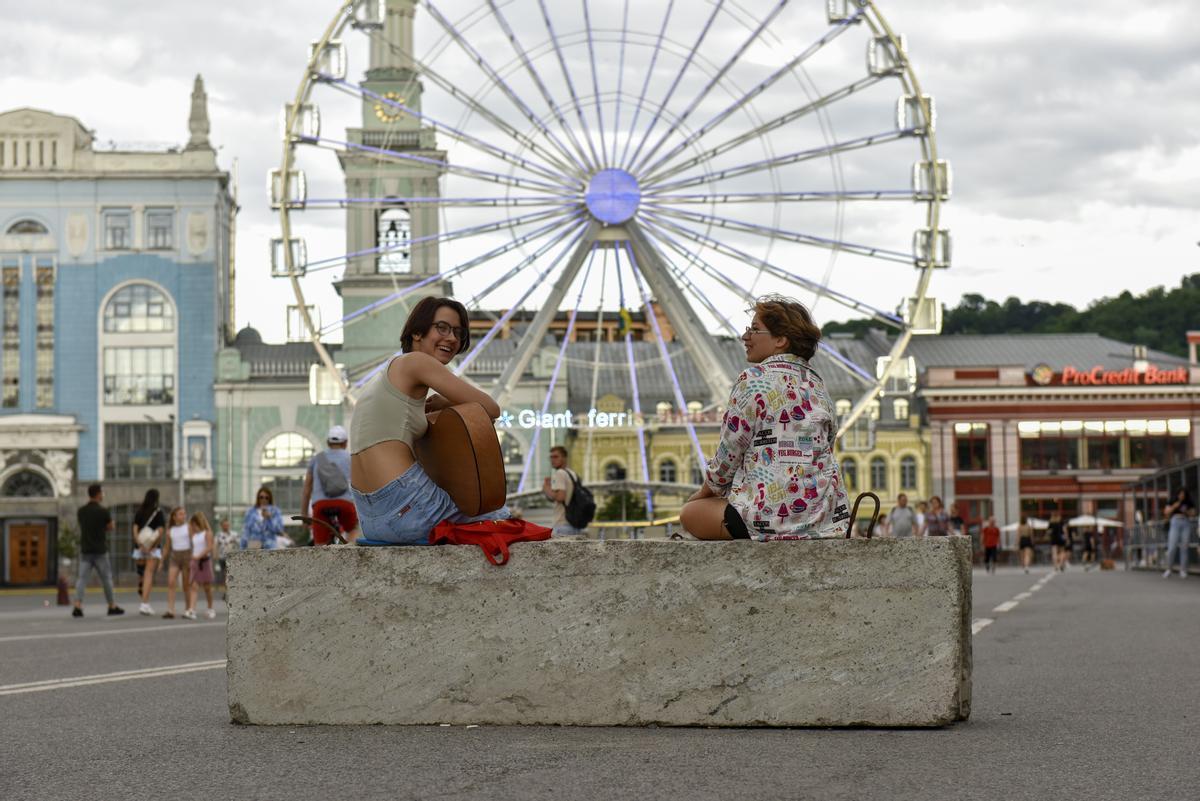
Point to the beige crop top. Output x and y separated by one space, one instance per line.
385 413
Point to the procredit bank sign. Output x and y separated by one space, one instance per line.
1100 376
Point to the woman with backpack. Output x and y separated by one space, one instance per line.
397 502
774 475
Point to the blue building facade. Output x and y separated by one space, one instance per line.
116 274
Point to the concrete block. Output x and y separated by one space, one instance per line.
822 633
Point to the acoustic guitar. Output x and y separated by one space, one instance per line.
461 453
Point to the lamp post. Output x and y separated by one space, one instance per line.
178 435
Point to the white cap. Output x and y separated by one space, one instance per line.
336 434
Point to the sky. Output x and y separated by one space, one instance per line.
1074 136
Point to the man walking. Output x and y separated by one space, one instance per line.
903 519
94 524
559 486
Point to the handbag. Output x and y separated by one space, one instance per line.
492 536
146 537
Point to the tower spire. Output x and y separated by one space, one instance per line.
198 119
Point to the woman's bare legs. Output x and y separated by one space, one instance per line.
704 519
172 576
191 594
148 579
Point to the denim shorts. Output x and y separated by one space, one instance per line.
404 511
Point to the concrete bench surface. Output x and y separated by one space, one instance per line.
822 633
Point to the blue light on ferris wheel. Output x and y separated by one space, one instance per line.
613 196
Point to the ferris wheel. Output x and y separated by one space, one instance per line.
603 154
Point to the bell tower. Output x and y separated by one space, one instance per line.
398 234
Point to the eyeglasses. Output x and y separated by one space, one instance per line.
445 329
750 330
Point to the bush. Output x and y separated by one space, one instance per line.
622 505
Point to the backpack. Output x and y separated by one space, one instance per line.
333 480
582 507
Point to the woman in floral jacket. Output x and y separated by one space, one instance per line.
774 476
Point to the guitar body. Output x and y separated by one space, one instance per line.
461 453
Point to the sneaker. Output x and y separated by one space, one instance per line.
1183 574
169 615
116 610
145 609
210 614
189 614
1167 573
77 612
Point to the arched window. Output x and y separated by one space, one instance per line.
510 449
287 450
842 407
667 471
614 472
908 472
395 235
138 308
850 473
878 473
27 227
900 409
697 472
26 484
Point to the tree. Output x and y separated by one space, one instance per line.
622 505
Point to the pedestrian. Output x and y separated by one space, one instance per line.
95 523
150 519
921 529
1180 514
397 501
559 486
328 478
773 475
178 556
937 522
1025 542
227 543
883 527
903 519
263 523
991 544
957 524
1088 557
201 570
1058 542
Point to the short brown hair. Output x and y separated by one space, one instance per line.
421 318
785 317
559 449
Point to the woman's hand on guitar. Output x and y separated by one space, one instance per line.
435 403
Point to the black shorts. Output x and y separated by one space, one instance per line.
735 523
1026 542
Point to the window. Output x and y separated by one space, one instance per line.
139 450
139 376
908 472
1157 451
971 447
667 471
27 227
697 472
287 492
850 474
1046 446
842 407
900 409
878 473
44 358
510 449
26 484
287 450
138 308
10 346
297 331
614 472
873 409
118 229
663 410
395 235
160 229
1103 452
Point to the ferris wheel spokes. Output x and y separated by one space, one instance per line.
755 133
587 24
596 162
637 109
640 168
496 80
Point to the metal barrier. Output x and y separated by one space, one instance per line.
1145 546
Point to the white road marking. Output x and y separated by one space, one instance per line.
176 627
979 624
1022 596
104 678
1006 606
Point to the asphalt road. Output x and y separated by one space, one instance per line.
1085 688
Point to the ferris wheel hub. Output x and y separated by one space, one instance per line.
613 196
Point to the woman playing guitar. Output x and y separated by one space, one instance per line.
397 502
